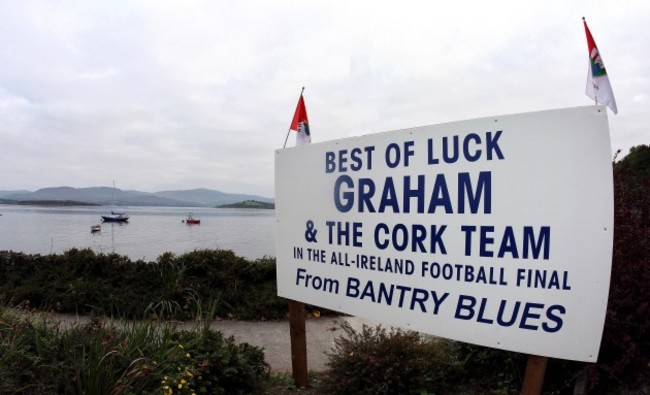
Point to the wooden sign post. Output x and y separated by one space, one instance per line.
534 377
298 335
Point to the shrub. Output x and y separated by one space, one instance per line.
205 362
38 356
21 344
377 361
500 370
625 349
183 287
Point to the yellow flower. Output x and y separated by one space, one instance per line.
183 381
180 385
187 355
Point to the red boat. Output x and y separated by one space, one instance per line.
191 220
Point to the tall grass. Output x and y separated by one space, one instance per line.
40 355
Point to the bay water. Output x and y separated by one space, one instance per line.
150 232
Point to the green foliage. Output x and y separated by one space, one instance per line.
625 348
21 343
249 204
38 356
636 163
211 364
500 371
377 361
183 287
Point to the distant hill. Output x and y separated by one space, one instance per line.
53 203
249 204
7 193
118 197
208 197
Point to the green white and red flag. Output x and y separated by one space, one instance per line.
598 85
300 123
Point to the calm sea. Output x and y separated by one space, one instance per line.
150 232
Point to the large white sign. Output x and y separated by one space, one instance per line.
496 231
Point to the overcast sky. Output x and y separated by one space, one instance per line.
161 95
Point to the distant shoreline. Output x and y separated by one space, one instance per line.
249 204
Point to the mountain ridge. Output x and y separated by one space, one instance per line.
200 197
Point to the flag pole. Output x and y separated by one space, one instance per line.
289 131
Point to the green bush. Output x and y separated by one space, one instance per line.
625 349
377 361
38 356
212 364
173 287
21 345
501 371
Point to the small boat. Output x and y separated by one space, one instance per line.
190 220
116 216
95 228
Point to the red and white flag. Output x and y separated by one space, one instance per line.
300 123
598 86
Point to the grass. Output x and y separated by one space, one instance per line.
283 384
39 354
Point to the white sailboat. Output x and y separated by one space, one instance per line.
115 216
